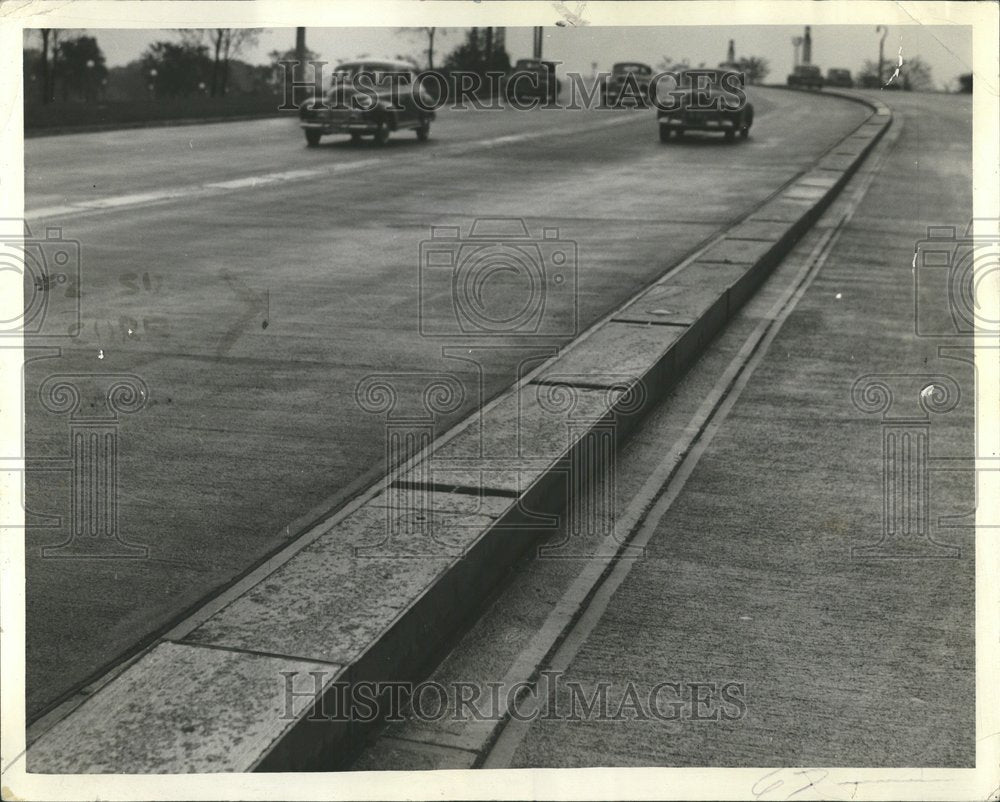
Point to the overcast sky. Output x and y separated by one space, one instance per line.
948 49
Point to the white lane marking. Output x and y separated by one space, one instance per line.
254 181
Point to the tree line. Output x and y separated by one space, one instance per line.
204 61
68 66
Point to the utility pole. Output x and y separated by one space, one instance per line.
807 47
796 43
300 44
881 50
537 50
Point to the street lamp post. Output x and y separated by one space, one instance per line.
797 43
89 90
881 50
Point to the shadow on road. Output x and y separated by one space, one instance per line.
368 144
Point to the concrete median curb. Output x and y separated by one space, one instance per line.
379 592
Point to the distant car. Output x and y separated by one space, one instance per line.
532 77
635 74
395 107
838 77
709 109
806 76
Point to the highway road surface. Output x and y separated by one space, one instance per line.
248 284
759 618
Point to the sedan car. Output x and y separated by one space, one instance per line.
705 100
839 77
532 77
806 76
631 74
368 98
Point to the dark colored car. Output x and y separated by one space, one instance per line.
629 80
705 100
532 77
368 98
838 77
806 76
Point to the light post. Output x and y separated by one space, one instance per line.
797 43
881 46
89 82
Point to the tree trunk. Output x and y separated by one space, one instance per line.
54 65
45 65
225 63
215 64
430 48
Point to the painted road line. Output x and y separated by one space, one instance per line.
213 188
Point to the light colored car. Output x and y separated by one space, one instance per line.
369 98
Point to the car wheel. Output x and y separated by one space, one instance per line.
423 131
730 134
664 133
355 139
381 135
312 137
744 132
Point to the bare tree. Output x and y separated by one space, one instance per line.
226 44
670 64
50 46
754 68
916 74
430 34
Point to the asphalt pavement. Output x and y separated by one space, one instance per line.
251 283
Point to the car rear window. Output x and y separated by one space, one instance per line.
642 69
